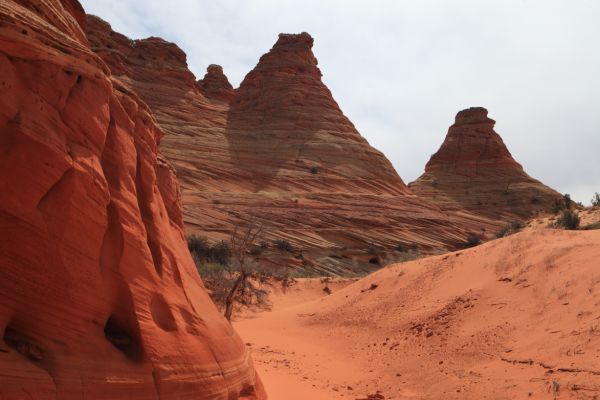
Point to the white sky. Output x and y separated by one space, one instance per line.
402 69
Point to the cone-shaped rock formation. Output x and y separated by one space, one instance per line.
474 170
215 85
280 153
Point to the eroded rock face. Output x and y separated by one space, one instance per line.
100 298
279 153
474 170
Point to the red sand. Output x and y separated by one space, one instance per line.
514 318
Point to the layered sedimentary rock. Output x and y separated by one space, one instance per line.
473 170
99 297
215 85
279 153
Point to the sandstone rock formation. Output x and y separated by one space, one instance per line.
473 170
99 297
215 85
280 153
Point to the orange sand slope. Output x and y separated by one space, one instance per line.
514 318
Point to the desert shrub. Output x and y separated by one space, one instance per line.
503 232
596 200
221 253
514 227
473 240
567 200
568 220
405 256
314 170
208 269
203 251
198 244
557 206
283 245
563 203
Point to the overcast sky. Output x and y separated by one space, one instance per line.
401 70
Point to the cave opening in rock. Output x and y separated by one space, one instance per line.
120 337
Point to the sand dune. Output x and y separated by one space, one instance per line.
515 318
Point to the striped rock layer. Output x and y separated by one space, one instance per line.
279 153
474 171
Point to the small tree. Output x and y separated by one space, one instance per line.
229 269
241 243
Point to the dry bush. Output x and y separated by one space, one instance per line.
283 245
568 220
405 256
472 241
596 200
203 251
563 203
512 228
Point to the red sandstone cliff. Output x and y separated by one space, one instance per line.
99 297
280 152
474 170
